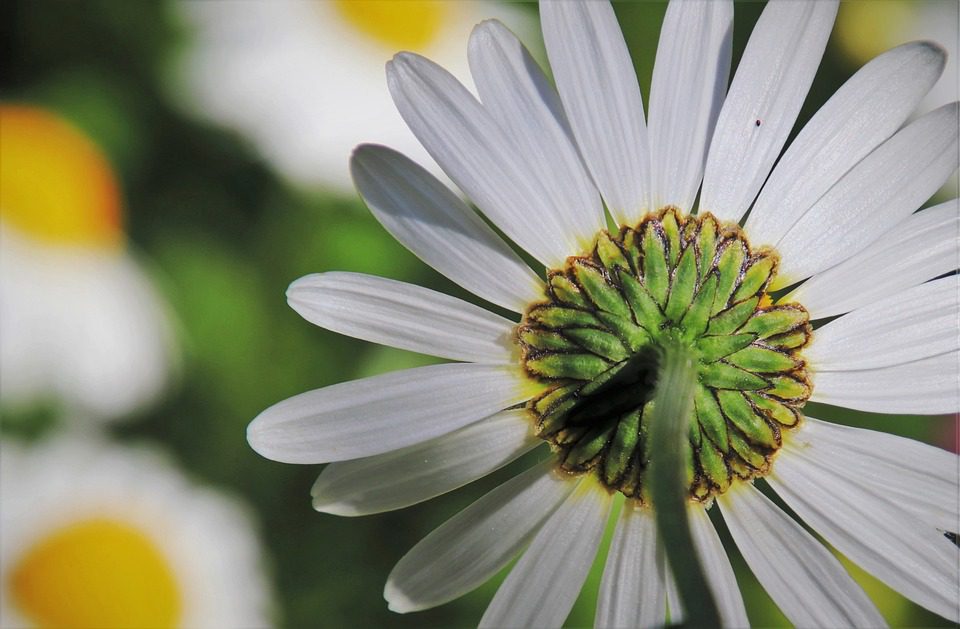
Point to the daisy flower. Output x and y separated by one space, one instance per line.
826 234
80 322
97 535
303 81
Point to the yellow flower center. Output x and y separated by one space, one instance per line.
406 24
95 573
55 184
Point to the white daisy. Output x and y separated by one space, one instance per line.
80 321
96 535
837 210
304 80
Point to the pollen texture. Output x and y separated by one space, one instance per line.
596 342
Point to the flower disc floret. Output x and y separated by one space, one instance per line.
597 340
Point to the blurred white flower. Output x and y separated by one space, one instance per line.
80 322
866 28
304 80
105 536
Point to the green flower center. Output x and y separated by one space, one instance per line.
597 339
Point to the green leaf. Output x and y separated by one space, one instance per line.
714 466
755 278
576 366
648 313
633 335
720 375
545 339
684 285
776 320
762 360
598 342
624 442
787 388
558 317
594 283
672 232
713 348
739 411
729 320
565 291
711 417
780 413
656 276
695 321
610 254
729 266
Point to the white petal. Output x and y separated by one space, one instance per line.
918 323
771 82
689 82
717 569
429 220
806 582
920 247
478 156
402 315
404 477
375 415
872 528
925 387
633 588
879 192
541 589
864 112
475 544
517 93
601 98
917 477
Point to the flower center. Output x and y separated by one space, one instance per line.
95 573
55 184
407 25
597 339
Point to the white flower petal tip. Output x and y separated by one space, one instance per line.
475 151
882 190
879 499
402 315
405 477
374 415
517 93
920 247
601 97
804 579
397 601
864 112
918 323
433 223
770 85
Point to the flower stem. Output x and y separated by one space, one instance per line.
669 430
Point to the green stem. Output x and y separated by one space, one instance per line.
669 489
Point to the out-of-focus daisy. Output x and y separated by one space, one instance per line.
107 536
835 216
304 80
79 319
866 28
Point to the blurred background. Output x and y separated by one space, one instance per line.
168 168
